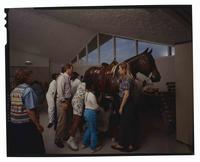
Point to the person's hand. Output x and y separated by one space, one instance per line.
40 128
120 110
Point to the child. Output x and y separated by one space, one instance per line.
90 137
78 107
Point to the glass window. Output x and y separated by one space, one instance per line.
157 50
82 57
173 51
93 52
125 49
106 48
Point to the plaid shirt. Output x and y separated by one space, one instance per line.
125 84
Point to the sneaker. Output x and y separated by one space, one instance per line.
96 149
71 143
59 144
117 147
50 125
83 146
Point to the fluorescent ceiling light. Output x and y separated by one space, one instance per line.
28 62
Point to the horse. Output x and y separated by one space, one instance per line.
106 83
106 78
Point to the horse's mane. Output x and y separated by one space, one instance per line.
145 52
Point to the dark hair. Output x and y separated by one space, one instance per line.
104 64
54 76
74 75
89 84
21 76
82 78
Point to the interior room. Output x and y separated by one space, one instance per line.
43 40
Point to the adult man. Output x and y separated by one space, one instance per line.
63 104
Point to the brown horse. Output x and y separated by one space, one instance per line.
106 79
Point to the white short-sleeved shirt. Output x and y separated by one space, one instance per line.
90 101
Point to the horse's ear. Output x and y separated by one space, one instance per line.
150 51
145 51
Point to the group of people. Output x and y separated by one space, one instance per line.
72 98
76 100
70 101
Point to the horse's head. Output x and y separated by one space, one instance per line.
145 64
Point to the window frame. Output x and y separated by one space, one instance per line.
137 41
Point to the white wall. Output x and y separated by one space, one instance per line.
81 68
18 58
40 65
55 67
166 67
184 93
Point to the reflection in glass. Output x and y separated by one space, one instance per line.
173 51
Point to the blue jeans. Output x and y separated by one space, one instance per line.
90 135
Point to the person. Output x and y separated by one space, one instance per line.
78 107
103 119
75 81
63 102
39 91
90 137
50 96
26 130
55 99
127 137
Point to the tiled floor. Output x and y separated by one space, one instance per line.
156 141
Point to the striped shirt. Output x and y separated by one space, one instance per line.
22 98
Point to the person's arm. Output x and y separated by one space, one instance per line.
30 102
32 113
124 100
